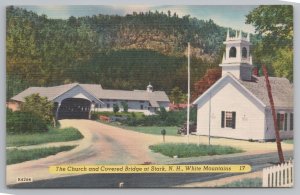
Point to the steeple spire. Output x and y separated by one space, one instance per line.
227 38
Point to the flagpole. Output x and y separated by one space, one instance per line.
188 102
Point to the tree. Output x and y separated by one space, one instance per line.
43 52
169 13
124 106
162 113
116 108
283 64
177 96
39 106
19 122
275 24
210 77
14 85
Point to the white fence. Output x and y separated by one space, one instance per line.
281 175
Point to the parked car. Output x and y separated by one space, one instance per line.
104 118
117 118
183 130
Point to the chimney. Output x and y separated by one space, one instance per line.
255 71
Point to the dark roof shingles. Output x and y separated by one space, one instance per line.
282 90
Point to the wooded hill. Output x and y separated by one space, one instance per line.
118 52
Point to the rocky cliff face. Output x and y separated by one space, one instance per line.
167 35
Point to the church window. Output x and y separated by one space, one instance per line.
282 121
232 52
228 119
291 121
244 52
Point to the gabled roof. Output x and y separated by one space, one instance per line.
282 90
96 90
50 92
54 92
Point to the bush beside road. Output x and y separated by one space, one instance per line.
52 135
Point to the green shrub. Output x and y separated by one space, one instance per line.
162 113
94 116
24 122
40 106
133 114
131 122
163 118
124 106
116 108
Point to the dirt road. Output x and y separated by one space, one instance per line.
101 144
104 144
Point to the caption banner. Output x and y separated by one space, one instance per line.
106 169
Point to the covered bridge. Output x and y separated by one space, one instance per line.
78 100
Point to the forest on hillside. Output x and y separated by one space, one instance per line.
118 52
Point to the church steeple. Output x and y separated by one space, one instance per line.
237 59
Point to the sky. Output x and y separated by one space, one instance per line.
225 15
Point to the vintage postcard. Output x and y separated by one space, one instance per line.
138 96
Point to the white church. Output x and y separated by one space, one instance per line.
237 105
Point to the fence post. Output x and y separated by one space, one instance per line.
266 177
280 175
292 175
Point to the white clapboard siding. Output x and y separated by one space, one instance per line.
281 175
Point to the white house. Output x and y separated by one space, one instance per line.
147 101
78 100
237 105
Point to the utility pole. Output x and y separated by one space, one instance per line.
188 98
209 119
278 141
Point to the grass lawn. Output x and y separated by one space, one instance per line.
244 183
182 150
14 156
53 135
288 141
156 130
